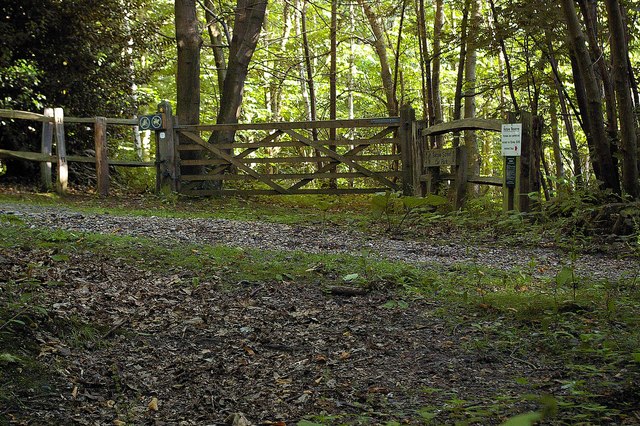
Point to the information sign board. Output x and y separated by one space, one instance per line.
440 157
151 122
510 172
511 139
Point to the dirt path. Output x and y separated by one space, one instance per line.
158 352
271 236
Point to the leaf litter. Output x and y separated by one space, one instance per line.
276 352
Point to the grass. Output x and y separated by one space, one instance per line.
588 330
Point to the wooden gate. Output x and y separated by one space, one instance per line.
319 157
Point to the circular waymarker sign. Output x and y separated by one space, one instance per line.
144 123
156 122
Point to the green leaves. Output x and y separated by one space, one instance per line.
9 359
527 419
565 276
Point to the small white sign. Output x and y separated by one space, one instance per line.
511 139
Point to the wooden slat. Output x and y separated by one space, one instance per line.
102 162
25 155
271 137
234 161
246 192
113 121
288 144
342 159
23 115
353 151
46 148
44 158
328 124
486 180
33 116
61 151
284 176
292 160
464 124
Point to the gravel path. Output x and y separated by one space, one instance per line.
272 236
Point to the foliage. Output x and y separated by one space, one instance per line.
76 55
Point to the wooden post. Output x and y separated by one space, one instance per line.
526 172
102 163
410 152
462 170
61 152
510 179
516 188
46 147
167 172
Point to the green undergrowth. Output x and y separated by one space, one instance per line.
291 209
575 337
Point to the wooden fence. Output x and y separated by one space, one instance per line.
313 157
53 121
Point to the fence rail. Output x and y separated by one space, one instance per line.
53 121
381 154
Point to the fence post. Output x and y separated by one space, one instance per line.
61 152
520 171
461 171
46 147
411 152
167 173
102 163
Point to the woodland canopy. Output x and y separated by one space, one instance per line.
574 64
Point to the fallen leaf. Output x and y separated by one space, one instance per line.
320 358
248 350
237 419
153 405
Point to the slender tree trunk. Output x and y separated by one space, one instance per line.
381 49
470 136
188 73
589 9
457 102
247 26
438 23
217 43
333 82
425 64
309 77
555 138
397 61
628 135
575 155
505 55
592 111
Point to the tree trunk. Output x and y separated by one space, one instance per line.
591 111
381 49
188 73
333 83
555 139
425 65
309 77
628 135
575 155
470 136
507 61
589 11
217 43
438 23
457 102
